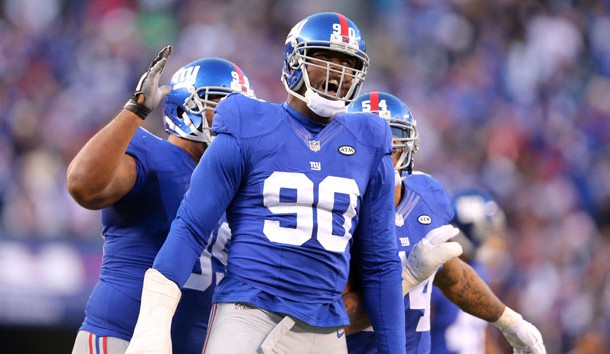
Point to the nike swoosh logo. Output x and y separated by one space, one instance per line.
340 334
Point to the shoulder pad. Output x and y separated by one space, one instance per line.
368 127
245 117
432 191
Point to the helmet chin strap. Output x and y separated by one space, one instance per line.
397 179
322 106
205 130
318 104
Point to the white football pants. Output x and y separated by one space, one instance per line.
89 343
237 328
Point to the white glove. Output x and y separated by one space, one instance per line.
428 255
523 336
148 94
160 298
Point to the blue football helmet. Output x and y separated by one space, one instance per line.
400 119
193 88
477 215
324 31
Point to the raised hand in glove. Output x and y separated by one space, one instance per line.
148 94
523 336
428 255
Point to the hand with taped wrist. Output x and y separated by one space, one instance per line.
428 255
148 94
523 336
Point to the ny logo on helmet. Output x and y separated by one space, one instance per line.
185 77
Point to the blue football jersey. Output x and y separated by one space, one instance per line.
134 229
297 193
425 205
454 331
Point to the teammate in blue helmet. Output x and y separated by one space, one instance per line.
138 181
423 233
301 182
196 89
405 138
479 219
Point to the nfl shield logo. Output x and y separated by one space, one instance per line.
314 145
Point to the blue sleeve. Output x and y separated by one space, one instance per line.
213 185
138 151
379 263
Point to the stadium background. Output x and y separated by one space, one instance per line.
510 95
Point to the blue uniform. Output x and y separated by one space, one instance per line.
453 330
295 192
424 206
134 229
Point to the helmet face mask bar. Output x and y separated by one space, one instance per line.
405 137
333 33
195 89
201 101
342 73
202 98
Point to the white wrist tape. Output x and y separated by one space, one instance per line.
160 297
523 336
508 319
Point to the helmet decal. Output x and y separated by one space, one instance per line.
344 35
185 77
241 83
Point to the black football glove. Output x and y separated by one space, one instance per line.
148 94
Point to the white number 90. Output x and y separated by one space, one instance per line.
303 208
351 33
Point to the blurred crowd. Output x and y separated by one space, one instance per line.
512 96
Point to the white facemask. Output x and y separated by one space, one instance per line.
322 106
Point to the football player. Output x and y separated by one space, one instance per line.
138 181
300 181
423 208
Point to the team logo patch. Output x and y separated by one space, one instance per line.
238 306
347 150
314 145
424 219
